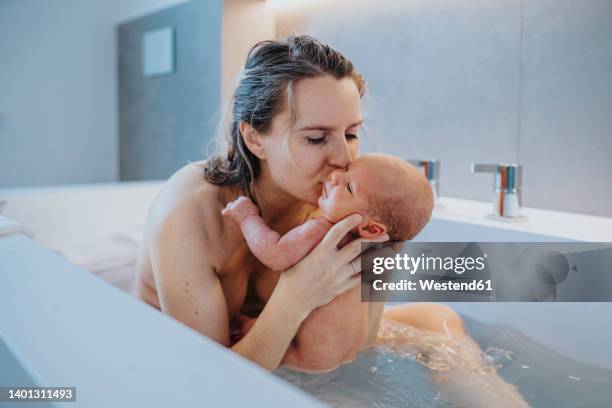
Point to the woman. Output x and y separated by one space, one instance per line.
296 118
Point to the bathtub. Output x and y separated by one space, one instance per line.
63 326
582 331
67 327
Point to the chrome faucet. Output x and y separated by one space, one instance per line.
507 184
431 170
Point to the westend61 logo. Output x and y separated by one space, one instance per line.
487 271
412 264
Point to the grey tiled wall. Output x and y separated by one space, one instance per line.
484 81
165 120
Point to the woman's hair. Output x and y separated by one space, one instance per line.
266 87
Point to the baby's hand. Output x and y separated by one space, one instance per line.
240 208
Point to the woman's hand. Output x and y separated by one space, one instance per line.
326 271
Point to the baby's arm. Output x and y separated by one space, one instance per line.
273 250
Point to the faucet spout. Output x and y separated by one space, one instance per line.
507 187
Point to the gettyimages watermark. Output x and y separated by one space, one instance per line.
487 272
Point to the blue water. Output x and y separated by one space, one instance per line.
384 377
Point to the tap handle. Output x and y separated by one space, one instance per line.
508 176
484 168
431 168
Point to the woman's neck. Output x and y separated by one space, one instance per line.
277 207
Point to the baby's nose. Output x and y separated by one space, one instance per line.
335 178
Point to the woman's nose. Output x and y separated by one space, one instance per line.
340 156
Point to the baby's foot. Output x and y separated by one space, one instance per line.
240 208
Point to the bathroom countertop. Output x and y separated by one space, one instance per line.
573 226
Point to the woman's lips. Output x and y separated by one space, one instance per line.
324 192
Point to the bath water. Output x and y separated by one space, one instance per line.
393 374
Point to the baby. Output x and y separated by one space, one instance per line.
391 194
393 197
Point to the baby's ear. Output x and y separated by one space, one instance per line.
371 229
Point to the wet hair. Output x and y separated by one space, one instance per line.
403 216
403 207
266 85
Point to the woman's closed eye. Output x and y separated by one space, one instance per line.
316 140
323 139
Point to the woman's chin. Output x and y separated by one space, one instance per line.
314 202
313 199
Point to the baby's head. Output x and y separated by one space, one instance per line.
392 195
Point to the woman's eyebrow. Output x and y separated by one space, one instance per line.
317 127
327 128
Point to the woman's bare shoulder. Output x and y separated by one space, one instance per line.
189 198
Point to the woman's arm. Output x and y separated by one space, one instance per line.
331 336
322 276
333 333
187 287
